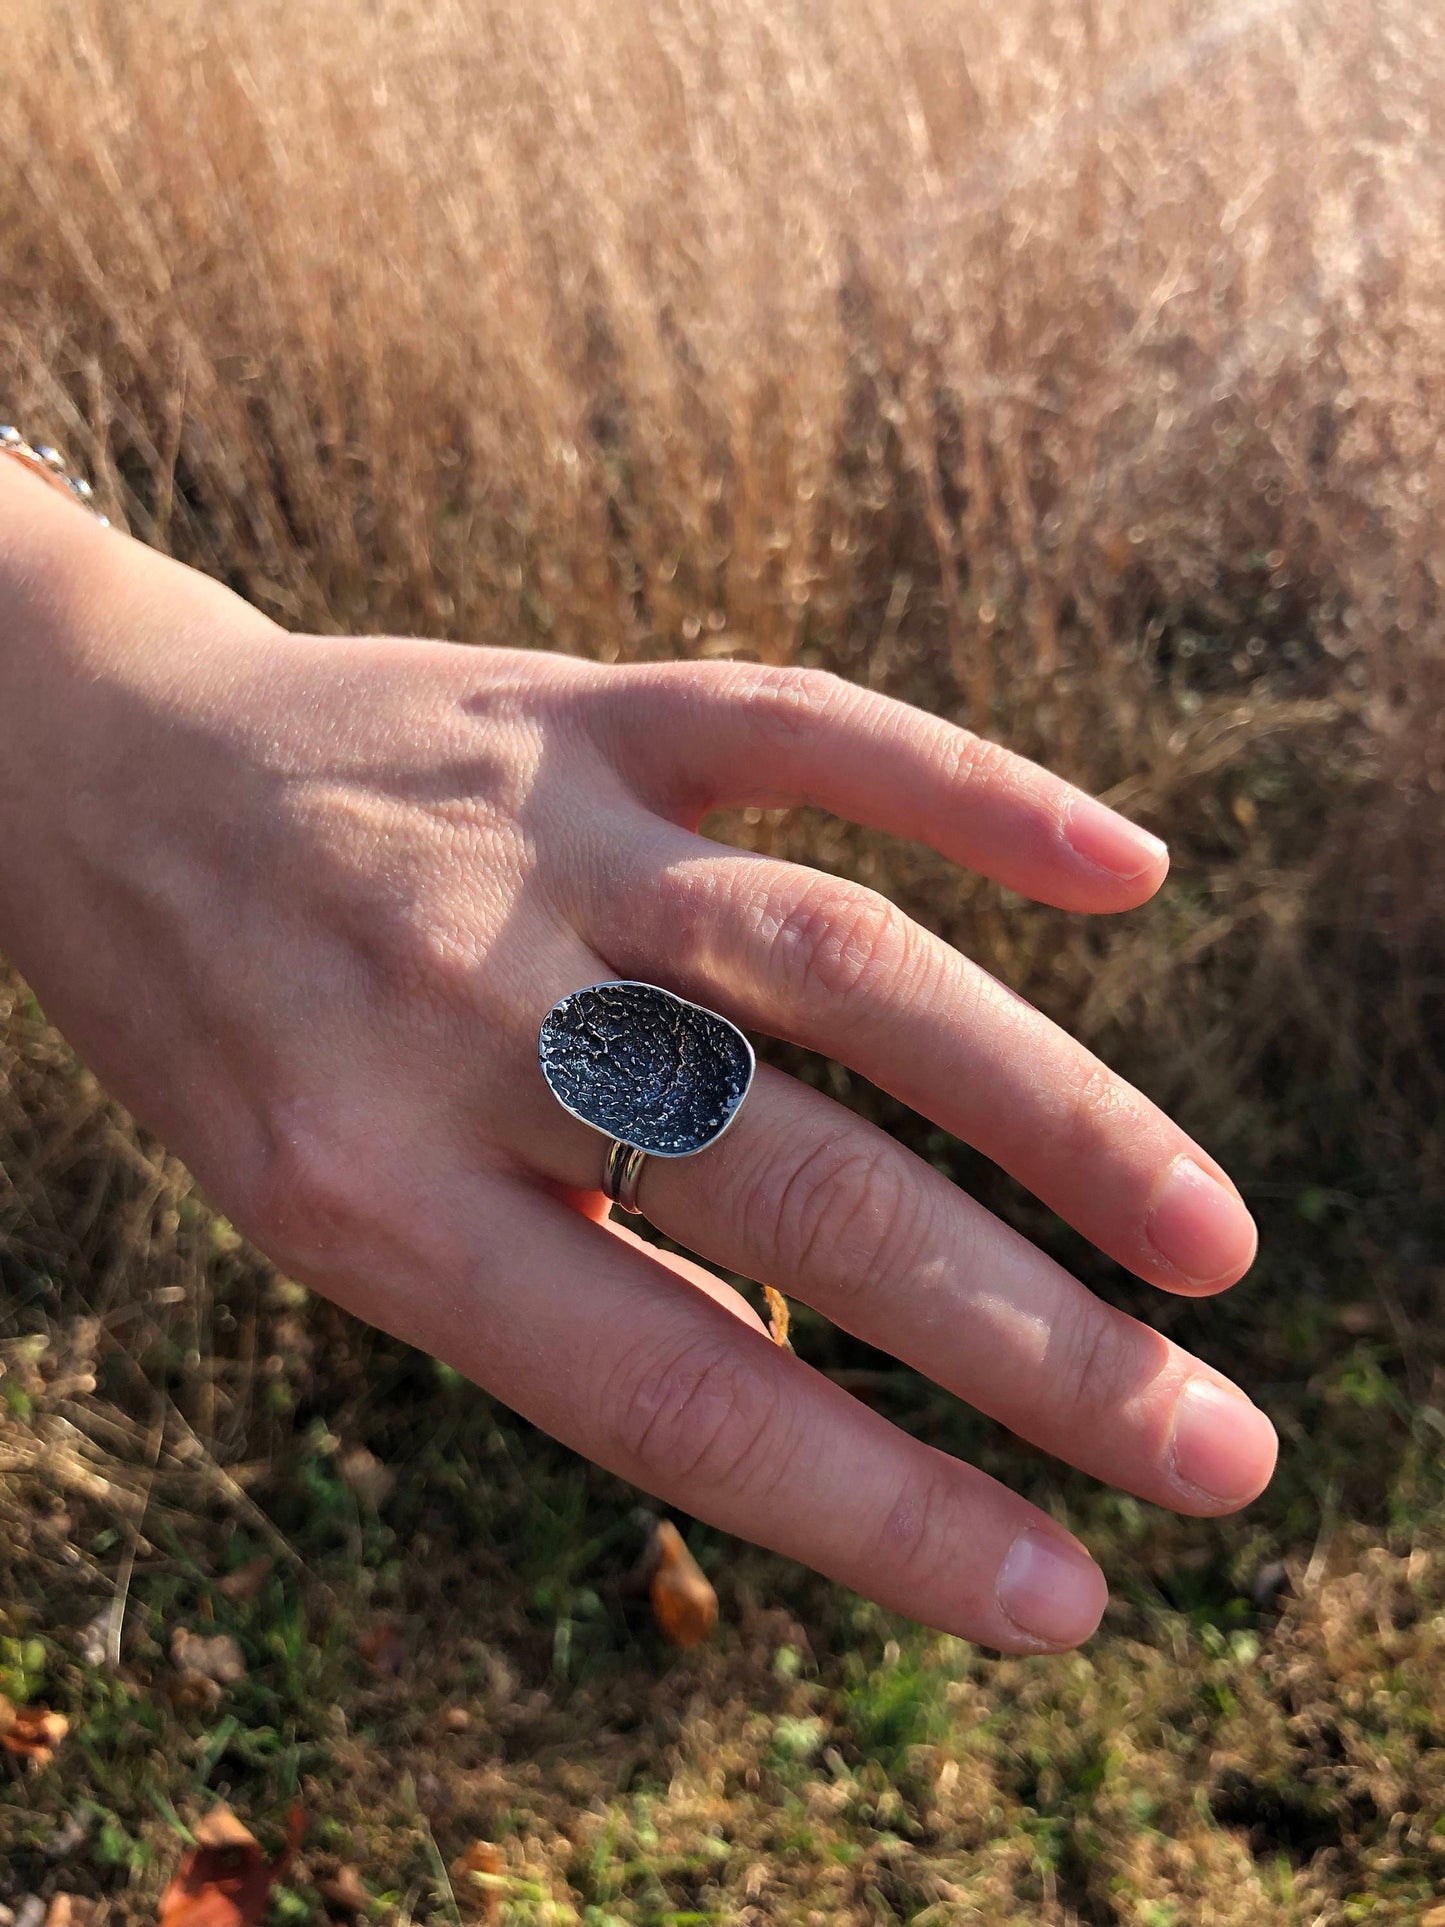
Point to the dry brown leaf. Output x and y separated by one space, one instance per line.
31 1732
345 1891
779 1317
364 1473
93 1638
382 1646
1435 1918
1359 1319
190 1693
220 1829
479 1873
72 1910
225 1880
683 1601
210 1656
482 1856
246 1581
1116 549
204 1663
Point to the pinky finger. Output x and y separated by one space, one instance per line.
627 1361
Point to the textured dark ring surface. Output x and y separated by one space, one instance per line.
650 1069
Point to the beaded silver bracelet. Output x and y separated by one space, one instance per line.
50 464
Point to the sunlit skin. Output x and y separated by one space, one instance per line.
302 903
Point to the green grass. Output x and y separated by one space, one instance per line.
1267 1745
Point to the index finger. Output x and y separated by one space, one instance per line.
701 736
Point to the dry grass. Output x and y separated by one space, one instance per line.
1076 370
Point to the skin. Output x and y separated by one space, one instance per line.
302 902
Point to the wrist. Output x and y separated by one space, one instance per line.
104 647
53 556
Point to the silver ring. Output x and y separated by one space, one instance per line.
621 1175
660 1077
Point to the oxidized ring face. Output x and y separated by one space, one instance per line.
650 1069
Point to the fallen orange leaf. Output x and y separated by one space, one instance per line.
246 1581
483 1859
382 1646
345 1891
31 1732
225 1880
779 1319
683 1601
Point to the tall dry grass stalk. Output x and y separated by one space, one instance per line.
1076 370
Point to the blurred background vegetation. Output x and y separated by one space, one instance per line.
1074 369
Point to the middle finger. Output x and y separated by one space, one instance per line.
839 969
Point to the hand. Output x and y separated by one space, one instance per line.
303 902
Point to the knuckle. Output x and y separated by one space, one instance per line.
1096 1104
785 704
692 911
431 953
440 959
841 943
917 1541
316 1187
704 1414
1096 1364
837 1215
974 762
677 910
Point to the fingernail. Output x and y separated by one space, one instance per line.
1049 1590
1199 1226
1223 1445
1110 841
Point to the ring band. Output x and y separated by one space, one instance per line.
621 1175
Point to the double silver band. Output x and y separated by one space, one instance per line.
621 1175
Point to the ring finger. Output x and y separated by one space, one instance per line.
801 1194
